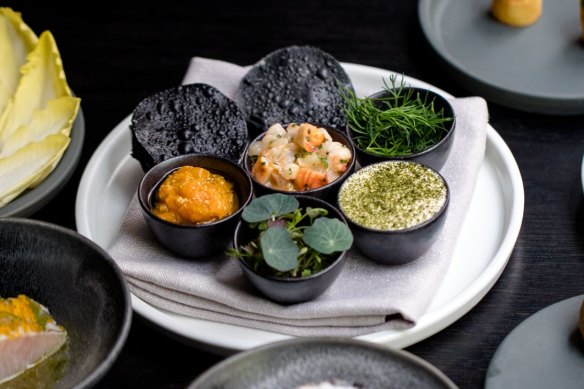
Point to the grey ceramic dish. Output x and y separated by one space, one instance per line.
81 286
32 200
290 364
536 68
546 350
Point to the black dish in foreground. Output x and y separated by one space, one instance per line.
327 192
435 156
292 363
292 290
194 240
80 285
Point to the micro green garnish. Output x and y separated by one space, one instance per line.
291 241
396 125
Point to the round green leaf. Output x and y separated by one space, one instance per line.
268 206
278 249
328 235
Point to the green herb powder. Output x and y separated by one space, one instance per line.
392 196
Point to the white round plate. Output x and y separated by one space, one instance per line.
487 238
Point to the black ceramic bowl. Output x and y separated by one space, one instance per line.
434 156
327 192
80 285
297 362
395 246
194 240
292 290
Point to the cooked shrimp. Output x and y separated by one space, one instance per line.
338 156
262 170
299 157
309 179
309 137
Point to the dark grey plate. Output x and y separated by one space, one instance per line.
80 285
536 68
545 351
32 200
292 363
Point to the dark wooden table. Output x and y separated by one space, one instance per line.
115 54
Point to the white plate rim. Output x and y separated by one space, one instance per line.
429 324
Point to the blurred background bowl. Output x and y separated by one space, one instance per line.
78 282
327 192
194 240
302 361
434 156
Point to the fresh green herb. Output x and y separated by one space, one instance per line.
402 123
291 241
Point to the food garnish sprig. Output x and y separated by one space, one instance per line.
291 242
399 124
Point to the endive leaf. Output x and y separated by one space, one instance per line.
29 165
56 118
17 40
43 79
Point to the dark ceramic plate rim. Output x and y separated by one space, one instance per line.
107 363
518 99
348 343
33 200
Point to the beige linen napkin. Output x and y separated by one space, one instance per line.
366 297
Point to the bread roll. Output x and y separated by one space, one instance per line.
517 13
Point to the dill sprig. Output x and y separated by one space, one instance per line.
401 123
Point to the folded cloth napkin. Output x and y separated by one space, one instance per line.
366 297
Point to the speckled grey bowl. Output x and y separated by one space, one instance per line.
292 363
79 283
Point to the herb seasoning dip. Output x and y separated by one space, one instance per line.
392 195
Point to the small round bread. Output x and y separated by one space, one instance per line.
295 84
194 118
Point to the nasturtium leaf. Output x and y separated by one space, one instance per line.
328 235
265 207
279 250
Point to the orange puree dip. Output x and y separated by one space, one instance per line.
195 195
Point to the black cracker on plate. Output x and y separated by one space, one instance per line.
194 118
294 84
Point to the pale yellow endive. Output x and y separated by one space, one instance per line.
29 166
16 41
42 80
39 108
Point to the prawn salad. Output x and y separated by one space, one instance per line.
297 158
